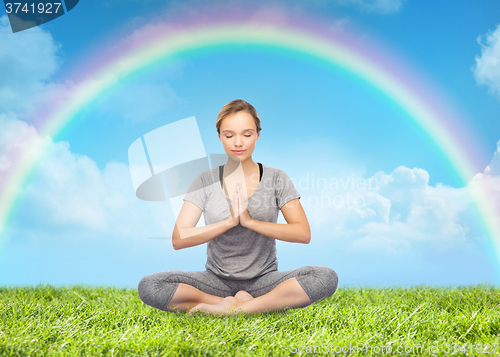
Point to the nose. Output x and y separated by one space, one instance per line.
237 141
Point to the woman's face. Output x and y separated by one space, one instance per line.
239 133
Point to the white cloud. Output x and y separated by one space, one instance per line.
368 207
493 168
27 60
376 237
14 135
489 180
70 192
398 213
487 69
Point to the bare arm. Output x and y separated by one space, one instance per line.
186 234
296 230
184 237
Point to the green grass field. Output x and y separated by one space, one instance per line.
88 321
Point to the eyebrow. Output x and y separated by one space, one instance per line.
230 131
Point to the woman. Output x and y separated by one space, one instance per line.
241 202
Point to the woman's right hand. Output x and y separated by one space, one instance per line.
234 218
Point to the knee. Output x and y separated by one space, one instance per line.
154 292
331 280
146 289
327 278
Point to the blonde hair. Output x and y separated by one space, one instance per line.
235 106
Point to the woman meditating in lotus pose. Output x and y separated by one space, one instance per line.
241 202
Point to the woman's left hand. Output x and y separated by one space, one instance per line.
244 217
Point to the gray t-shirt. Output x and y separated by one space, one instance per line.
240 253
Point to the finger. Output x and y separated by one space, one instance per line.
239 203
242 200
235 202
236 195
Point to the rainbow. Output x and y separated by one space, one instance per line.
372 64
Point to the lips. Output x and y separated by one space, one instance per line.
238 151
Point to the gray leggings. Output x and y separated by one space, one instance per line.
156 290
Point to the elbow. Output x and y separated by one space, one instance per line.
306 239
176 239
177 243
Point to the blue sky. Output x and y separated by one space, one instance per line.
80 222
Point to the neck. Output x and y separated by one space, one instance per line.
248 166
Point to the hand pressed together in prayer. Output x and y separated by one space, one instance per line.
239 212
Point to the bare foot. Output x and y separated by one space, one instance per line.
243 296
226 306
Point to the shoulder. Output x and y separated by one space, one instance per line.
274 171
277 177
210 174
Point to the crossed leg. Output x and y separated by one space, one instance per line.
203 291
187 297
287 294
